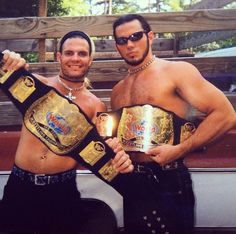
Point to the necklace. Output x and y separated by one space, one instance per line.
141 68
70 90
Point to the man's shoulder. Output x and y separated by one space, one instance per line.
93 98
44 79
118 85
95 102
176 67
172 63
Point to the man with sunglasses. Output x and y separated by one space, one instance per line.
161 198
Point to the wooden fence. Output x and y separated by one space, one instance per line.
23 34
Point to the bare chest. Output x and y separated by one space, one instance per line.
136 93
155 92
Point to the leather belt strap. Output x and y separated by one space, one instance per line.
146 168
43 179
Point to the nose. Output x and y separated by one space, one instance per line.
130 43
75 56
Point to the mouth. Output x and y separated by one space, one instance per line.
131 55
75 66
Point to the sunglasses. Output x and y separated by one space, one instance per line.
133 37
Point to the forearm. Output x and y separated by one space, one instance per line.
211 128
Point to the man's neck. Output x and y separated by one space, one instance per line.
145 64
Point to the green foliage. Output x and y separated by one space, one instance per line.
76 7
101 7
230 42
56 8
231 6
24 8
216 45
30 57
120 6
171 5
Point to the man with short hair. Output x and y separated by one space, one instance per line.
163 201
41 193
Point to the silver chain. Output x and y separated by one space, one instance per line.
70 95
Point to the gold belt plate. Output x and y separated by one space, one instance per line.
59 127
143 127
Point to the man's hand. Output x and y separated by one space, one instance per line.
121 162
13 61
164 154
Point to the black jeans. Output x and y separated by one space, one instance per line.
55 208
159 201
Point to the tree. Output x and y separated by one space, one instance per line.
76 7
12 8
121 6
57 8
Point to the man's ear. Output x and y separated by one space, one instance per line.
150 37
90 61
59 57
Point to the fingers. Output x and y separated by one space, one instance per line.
12 61
153 152
162 154
122 162
115 144
129 169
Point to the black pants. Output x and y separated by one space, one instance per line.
54 208
159 201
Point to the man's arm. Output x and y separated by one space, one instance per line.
202 95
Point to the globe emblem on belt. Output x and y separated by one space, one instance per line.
141 128
58 123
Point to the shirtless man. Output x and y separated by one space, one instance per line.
172 87
41 192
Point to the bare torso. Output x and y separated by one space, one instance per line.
154 86
34 156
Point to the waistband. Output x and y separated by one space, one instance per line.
148 167
43 179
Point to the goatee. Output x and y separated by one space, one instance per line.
136 63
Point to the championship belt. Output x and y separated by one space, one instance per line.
59 123
142 127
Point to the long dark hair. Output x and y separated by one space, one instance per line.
130 17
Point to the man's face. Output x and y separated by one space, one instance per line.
137 46
74 59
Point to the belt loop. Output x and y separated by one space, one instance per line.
49 177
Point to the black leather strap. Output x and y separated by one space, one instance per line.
87 147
